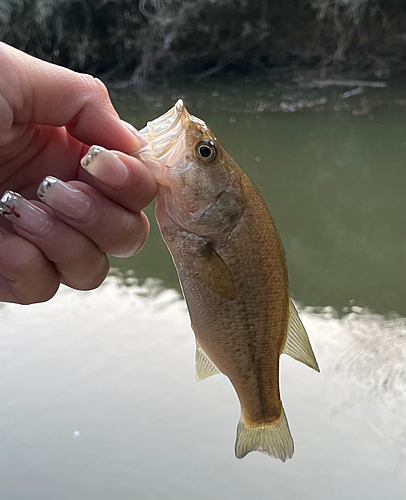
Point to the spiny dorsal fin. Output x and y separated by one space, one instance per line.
204 367
297 344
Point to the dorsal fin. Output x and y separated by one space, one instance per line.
204 367
297 344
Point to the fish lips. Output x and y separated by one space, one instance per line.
166 136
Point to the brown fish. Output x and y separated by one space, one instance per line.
231 265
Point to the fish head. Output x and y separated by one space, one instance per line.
198 181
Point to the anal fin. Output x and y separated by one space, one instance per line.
204 367
297 344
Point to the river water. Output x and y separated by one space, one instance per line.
97 392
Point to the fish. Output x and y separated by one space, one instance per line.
232 269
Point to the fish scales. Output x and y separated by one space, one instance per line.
231 265
244 337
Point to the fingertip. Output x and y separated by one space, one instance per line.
144 235
91 280
138 240
125 135
120 135
123 178
141 180
110 130
107 131
97 122
142 140
131 239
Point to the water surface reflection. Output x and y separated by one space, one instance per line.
98 400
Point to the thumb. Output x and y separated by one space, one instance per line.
47 94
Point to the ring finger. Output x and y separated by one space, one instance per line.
78 260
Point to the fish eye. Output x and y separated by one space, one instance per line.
206 151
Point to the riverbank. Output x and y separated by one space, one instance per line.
167 41
288 93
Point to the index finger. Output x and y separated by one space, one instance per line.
36 91
122 178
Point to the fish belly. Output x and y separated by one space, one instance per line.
243 337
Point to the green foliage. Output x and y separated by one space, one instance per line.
147 39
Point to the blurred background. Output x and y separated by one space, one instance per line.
174 39
97 392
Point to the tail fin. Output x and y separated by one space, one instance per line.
273 439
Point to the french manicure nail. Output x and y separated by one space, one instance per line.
67 200
105 166
25 215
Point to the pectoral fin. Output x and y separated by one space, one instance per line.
297 343
204 367
216 274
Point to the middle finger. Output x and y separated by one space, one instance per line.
113 228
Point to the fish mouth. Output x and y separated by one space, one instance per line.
166 136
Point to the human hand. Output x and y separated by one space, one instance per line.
49 116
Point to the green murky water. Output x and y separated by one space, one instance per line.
97 392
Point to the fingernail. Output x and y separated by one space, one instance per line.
134 131
25 215
66 200
105 166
